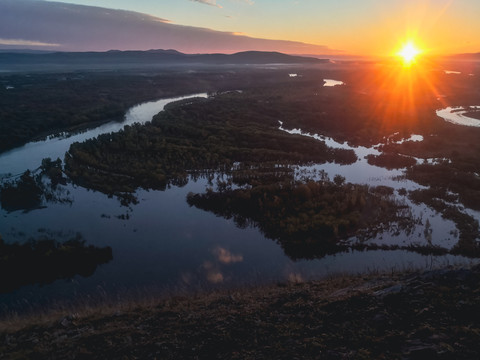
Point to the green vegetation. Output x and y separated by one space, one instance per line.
452 178
308 219
24 194
42 104
33 189
193 136
35 105
391 161
451 181
45 260
468 226
237 134
458 167
449 177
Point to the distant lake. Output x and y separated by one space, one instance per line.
165 245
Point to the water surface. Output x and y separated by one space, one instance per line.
456 115
330 82
30 155
167 245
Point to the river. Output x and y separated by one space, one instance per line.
165 245
456 115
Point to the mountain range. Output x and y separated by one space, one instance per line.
114 58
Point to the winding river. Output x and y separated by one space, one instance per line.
165 245
30 156
456 115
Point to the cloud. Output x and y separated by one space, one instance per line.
212 273
226 257
208 2
68 27
22 42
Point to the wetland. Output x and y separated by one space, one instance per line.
247 176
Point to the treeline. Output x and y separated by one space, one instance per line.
449 178
310 219
444 202
42 104
33 189
391 161
39 104
42 261
201 135
23 194
452 176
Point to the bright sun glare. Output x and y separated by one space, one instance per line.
408 53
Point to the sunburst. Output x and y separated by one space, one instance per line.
409 53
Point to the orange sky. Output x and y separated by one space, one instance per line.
366 27
379 27
358 27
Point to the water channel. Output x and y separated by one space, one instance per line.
165 245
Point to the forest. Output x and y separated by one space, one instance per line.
32 190
203 135
235 132
309 219
34 105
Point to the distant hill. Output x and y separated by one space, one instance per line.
58 26
113 58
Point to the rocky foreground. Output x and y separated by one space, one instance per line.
428 315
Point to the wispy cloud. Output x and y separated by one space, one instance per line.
22 42
208 2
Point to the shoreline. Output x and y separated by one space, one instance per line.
396 315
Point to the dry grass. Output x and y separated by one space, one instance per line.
333 287
433 314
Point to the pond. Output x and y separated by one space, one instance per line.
164 245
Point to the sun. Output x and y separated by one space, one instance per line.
408 53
